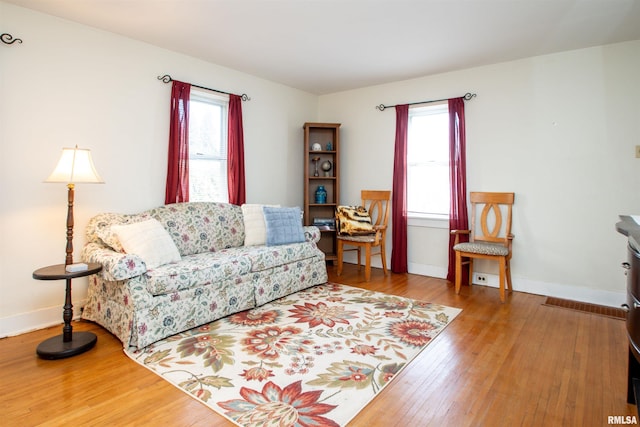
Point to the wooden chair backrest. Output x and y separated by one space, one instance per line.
377 204
490 227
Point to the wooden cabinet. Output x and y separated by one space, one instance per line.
322 169
628 227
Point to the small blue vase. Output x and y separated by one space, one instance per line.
321 195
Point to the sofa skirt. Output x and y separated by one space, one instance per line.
138 319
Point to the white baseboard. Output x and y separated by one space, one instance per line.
427 270
34 320
557 290
414 268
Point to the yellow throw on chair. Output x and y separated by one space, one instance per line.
489 239
364 227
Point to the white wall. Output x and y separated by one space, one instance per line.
558 130
69 84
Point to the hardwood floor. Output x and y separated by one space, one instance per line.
519 363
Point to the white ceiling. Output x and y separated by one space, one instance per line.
326 46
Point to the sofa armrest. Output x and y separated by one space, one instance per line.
311 233
115 265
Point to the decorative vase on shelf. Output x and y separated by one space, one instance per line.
321 195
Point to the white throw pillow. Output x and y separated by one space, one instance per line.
149 240
255 228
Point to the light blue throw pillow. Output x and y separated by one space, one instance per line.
284 226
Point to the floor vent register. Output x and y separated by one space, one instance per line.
603 310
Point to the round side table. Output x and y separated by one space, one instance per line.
69 343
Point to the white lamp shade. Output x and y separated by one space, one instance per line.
75 166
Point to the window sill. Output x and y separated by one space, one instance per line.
428 221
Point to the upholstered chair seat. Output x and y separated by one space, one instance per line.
369 238
482 248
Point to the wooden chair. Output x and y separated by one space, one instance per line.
377 204
489 239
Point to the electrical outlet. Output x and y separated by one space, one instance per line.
638 151
481 278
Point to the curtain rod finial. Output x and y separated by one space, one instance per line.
7 38
467 96
381 107
166 78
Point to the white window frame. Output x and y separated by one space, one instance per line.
208 97
427 219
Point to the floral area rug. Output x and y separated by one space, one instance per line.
314 358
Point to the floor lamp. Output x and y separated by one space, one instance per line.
75 166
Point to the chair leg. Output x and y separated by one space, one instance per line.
470 272
458 272
339 252
383 255
359 262
503 268
367 266
509 284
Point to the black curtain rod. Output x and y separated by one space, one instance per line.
167 78
467 96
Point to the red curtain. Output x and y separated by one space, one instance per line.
177 189
399 195
458 215
235 152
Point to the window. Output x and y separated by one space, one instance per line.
208 147
428 192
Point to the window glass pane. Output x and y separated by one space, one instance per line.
207 147
428 160
205 130
208 179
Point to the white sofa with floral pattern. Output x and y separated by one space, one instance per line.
213 275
